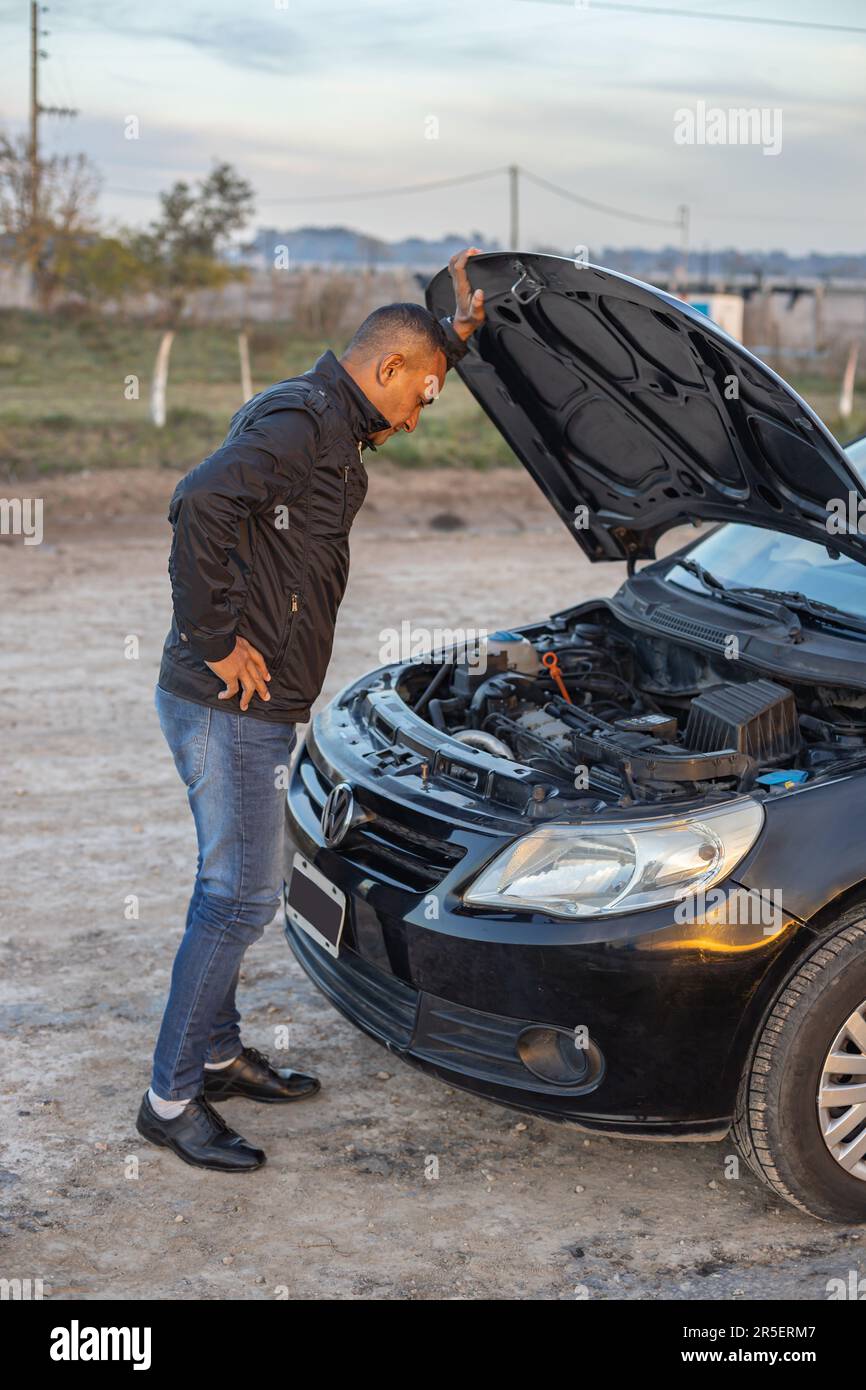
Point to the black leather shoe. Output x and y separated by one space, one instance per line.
199 1136
251 1075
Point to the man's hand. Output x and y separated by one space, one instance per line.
469 313
243 667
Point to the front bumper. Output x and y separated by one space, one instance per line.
476 1051
670 1009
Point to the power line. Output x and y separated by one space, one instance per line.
513 171
342 197
598 207
726 18
387 192
431 184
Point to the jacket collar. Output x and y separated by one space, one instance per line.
362 417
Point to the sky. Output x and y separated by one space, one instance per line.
348 99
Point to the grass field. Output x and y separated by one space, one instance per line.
63 406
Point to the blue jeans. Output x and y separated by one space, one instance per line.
233 769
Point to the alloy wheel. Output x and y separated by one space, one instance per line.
842 1095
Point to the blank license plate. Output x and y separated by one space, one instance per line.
315 905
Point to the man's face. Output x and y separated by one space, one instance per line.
404 387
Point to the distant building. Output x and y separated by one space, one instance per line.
342 246
724 309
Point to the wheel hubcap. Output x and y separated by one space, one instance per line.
842 1095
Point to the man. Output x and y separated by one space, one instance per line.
258 567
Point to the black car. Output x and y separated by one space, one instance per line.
611 868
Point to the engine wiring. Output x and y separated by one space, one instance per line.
658 723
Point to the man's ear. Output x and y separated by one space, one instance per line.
389 366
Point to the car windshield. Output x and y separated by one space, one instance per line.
745 556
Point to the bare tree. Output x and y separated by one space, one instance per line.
47 210
322 301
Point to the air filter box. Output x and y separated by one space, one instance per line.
758 718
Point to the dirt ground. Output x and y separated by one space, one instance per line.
93 813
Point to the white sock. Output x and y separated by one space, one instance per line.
218 1066
166 1109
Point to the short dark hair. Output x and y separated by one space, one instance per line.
390 327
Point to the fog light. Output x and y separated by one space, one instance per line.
559 1057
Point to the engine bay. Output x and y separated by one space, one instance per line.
603 711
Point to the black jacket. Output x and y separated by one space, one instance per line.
261 539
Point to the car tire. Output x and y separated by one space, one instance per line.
778 1124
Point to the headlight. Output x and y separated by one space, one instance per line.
595 871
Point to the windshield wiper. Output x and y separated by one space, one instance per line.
789 601
815 607
765 602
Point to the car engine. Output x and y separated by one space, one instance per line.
609 713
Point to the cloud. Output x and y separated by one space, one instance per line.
334 97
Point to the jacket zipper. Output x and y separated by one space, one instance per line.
346 467
287 635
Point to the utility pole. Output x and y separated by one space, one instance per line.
34 117
37 110
514 228
683 219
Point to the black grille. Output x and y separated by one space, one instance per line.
710 636
388 848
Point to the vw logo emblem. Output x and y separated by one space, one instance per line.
338 813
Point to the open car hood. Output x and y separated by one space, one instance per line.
634 412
